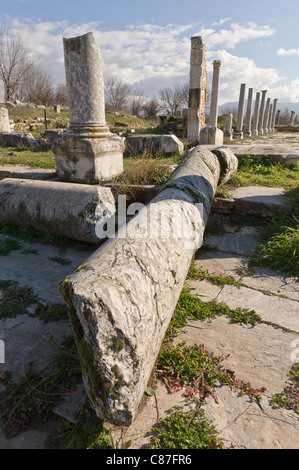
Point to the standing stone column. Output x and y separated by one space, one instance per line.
262 112
293 114
255 121
197 87
87 152
228 135
274 115
278 117
210 135
239 127
247 130
270 118
215 93
266 117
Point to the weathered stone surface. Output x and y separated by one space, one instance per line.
283 312
215 93
247 130
4 121
87 152
25 172
53 134
38 270
17 139
88 159
119 332
211 136
228 127
267 202
62 208
198 83
240 117
242 423
241 242
262 112
167 144
255 120
228 163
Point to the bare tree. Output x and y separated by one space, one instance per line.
151 108
137 102
117 93
172 100
285 116
61 95
16 63
38 88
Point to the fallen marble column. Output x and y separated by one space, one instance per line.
66 209
122 299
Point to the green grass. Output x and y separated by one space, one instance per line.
8 245
279 249
217 279
185 430
33 157
289 398
189 306
265 172
14 299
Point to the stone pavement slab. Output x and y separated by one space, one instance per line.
241 242
281 311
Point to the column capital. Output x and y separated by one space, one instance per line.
217 63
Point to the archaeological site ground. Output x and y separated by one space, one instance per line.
149 268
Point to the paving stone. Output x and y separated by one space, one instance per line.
28 339
241 242
243 424
260 355
263 279
269 202
71 404
33 438
283 312
38 271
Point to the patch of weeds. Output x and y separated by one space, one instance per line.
29 251
223 193
265 172
14 299
8 245
88 433
279 249
216 223
185 430
60 260
289 398
190 306
217 279
29 234
35 394
52 313
199 372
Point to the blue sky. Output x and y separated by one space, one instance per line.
147 44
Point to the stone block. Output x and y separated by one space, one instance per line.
87 159
16 139
4 121
211 136
67 209
167 144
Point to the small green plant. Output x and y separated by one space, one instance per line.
88 433
190 306
289 398
60 260
196 273
279 249
8 245
34 395
29 251
14 300
52 313
185 430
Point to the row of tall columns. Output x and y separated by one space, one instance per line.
262 121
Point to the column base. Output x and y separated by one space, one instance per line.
211 136
238 135
247 134
88 158
228 136
254 133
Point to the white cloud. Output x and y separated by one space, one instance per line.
152 57
285 52
221 22
237 33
